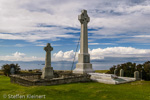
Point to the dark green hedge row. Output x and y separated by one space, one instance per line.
129 69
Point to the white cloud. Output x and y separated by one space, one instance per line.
19 22
106 52
59 55
17 56
142 36
101 44
120 52
22 18
19 45
68 55
93 43
98 53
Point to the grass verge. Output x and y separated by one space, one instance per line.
139 90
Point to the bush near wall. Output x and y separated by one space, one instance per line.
6 69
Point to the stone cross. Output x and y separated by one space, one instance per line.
47 72
83 66
84 19
48 50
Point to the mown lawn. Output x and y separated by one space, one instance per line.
101 71
139 90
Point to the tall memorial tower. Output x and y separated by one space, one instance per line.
83 66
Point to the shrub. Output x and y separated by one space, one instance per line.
6 69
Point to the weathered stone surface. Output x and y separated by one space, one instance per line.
109 78
47 72
34 79
83 66
115 72
31 80
121 72
136 75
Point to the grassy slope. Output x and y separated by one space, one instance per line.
139 90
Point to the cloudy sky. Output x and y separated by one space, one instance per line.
117 28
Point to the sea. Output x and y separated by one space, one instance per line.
103 64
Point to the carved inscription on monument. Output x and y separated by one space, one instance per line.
86 59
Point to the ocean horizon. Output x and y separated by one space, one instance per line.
103 64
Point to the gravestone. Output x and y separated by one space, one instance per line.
47 72
83 66
136 75
12 70
115 72
121 72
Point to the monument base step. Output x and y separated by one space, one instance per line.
47 73
83 68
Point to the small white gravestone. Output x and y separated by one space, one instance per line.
47 72
121 72
136 75
12 70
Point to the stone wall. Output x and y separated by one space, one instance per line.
34 80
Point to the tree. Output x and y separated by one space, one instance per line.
129 69
146 66
6 69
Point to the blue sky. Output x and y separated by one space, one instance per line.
117 28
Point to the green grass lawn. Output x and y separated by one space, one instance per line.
101 71
139 90
1 73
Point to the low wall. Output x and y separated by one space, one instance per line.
33 80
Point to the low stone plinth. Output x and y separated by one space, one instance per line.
36 81
110 78
102 76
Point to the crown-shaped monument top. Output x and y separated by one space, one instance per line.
48 47
83 18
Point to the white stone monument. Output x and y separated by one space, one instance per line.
47 72
83 66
